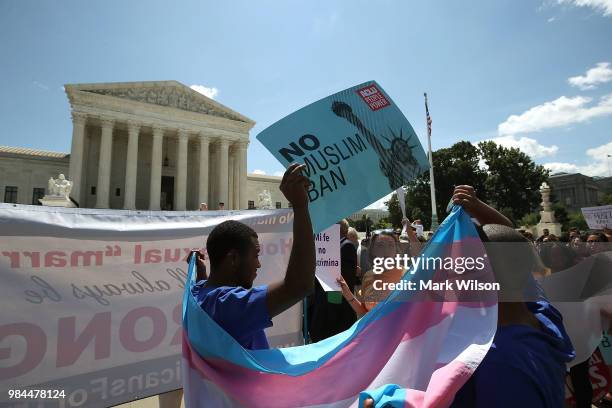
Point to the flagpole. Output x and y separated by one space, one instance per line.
432 185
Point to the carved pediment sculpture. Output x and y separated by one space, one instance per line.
165 96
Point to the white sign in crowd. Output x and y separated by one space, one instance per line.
598 217
327 244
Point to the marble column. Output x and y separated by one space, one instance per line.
104 164
203 173
131 167
236 172
230 184
156 169
75 173
223 172
180 184
242 185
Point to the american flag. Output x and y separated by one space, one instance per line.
428 117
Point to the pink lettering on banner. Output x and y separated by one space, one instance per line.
99 331
373 97
36 345
79 258
127 329
70 347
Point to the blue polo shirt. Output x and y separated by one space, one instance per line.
524 367
242 313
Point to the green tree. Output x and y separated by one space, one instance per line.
513 179
395 211
383 223
606 200
530 219
506 178
454 165
561 215
576 220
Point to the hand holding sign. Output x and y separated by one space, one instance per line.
356 146
295 186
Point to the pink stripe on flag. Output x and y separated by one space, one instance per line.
444 384
374 346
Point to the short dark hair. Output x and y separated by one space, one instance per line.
511 255
227 236
600 235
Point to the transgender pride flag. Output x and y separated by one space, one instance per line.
419 351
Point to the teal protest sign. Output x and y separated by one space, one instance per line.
357 147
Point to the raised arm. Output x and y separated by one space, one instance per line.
201 273
483 213
357 306
299 277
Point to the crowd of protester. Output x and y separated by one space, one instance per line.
526 364
560 253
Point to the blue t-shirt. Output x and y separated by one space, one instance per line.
242 313
524 367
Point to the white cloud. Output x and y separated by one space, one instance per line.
601 151
559 167
206 91
600 74
260 172
598 163
603 6
550 20
527 145
561 112
279 173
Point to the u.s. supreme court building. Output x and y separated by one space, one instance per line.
144 146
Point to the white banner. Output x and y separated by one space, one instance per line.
598 217
91 299
327 245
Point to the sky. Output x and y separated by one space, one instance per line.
530 74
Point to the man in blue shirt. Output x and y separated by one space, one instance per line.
228 295
525 366
526 363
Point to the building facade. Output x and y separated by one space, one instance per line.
576 190
24 173
146 146
374 214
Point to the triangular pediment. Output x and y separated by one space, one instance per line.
171 94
